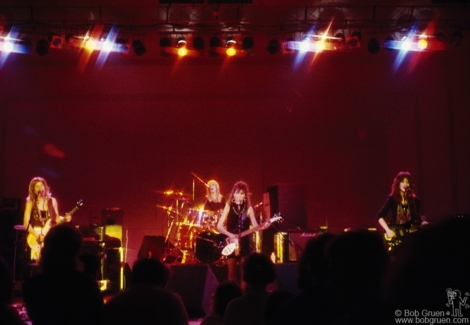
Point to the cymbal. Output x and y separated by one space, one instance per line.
172 193
169 209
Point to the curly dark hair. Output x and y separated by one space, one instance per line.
395 191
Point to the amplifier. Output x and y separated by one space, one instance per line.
289 245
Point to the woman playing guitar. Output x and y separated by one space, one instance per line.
404 207
237 217
41 212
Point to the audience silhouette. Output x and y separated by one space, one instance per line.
60 293
146 301
272 307
357 261
431 264
344 279
224 293
314 302
8 314
258 272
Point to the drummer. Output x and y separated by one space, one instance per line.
215 202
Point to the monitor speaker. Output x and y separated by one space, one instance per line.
152 246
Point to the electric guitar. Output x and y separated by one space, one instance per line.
33 241
232 245
401 231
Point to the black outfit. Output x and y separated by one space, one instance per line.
238 216
401 214
39 217
214 206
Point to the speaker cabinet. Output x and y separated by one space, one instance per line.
290 245
285 278
11 245
195 284
283 248
112 216
289 199
103 264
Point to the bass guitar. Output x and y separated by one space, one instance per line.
232 245
32 241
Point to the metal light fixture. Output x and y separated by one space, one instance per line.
139 47
181 45
273 46
42 47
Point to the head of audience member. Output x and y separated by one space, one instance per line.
258 270
150 271
357 262
428 266
224 293
61 247
312 268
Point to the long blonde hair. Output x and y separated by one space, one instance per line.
209 197
33 196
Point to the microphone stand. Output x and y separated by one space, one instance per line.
199 179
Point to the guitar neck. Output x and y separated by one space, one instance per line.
249 231
73 210
252 230
78 206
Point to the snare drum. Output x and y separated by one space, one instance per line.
209 245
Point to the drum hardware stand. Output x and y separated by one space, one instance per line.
175 254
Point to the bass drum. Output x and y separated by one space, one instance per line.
209 247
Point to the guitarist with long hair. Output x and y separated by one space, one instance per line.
403 206
41 212
237 217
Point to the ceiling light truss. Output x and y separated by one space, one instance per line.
225 18
76 21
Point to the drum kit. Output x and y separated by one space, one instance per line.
192 234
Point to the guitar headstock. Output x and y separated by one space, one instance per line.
277 218
80 203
